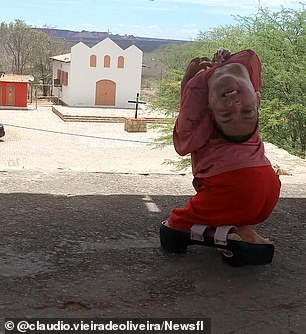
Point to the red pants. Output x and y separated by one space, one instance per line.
241 197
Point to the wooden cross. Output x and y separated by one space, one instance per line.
137 102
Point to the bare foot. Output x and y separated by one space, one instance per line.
246 233
249 235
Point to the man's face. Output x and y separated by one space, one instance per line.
233 102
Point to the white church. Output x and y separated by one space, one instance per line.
104 75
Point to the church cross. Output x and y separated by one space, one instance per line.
137 102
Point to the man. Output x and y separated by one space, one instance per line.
235 183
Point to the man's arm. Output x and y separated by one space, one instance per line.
195 66
194 125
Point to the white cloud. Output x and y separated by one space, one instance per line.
226 8
185 32
242 4
235 2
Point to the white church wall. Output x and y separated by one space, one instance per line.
83 78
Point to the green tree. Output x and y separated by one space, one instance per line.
27 51
279 38
17 42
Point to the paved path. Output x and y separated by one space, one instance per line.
38 139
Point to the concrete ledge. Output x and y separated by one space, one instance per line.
135 125
104 119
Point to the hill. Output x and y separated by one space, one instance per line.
91 38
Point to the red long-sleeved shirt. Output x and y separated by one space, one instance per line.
195 132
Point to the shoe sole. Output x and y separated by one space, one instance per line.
244 253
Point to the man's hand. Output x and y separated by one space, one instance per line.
220 56
195 65
202 63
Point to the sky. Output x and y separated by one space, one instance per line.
170 19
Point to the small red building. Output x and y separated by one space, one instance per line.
13 90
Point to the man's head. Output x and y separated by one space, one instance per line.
233 102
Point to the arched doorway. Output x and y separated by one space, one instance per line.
105 93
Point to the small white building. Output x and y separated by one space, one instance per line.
104 75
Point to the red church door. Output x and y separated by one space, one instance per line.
1 103
105 93
10 95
